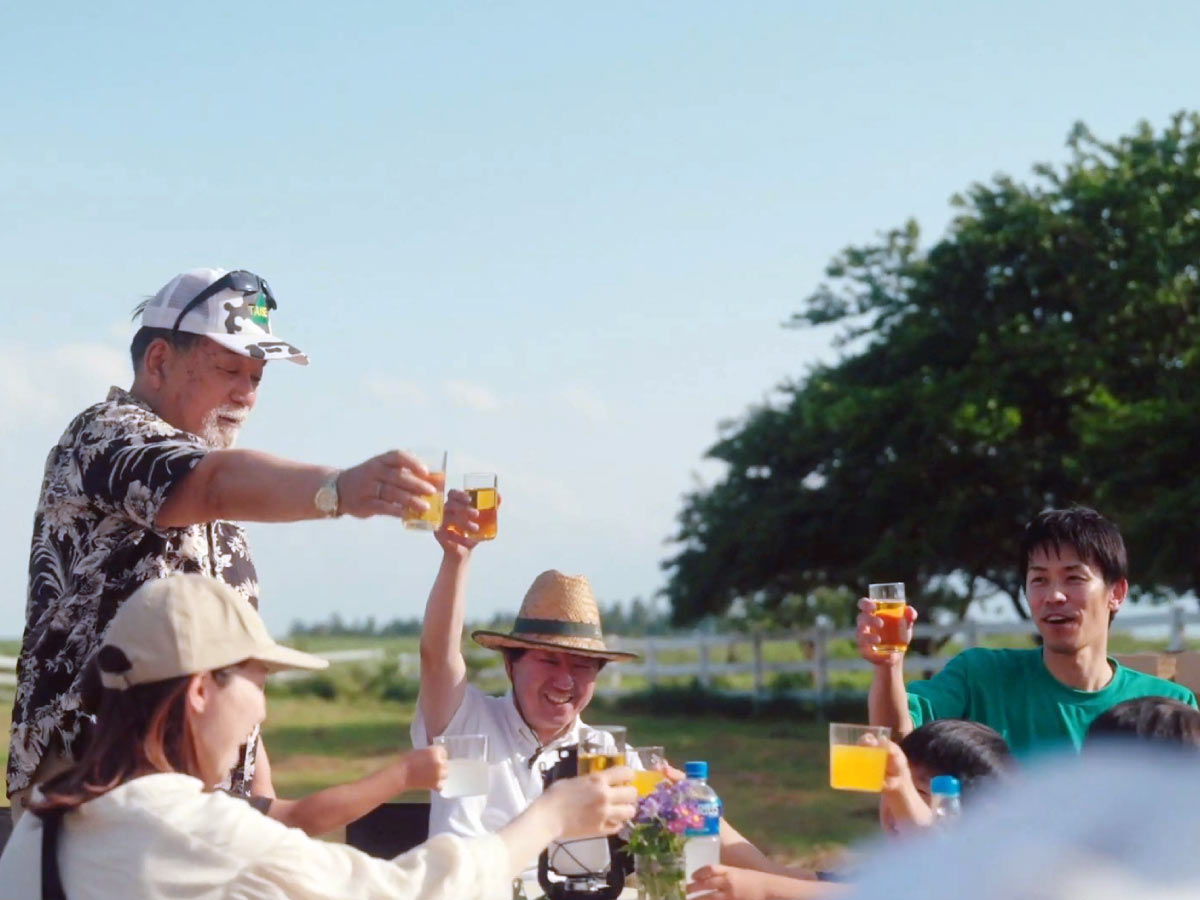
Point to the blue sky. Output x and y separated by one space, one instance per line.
558 240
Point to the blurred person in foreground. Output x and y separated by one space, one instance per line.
1112 824
148 483
1074 567
183 666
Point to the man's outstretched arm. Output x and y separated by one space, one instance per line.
251 486
443 669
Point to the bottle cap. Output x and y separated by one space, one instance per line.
696 769
946 785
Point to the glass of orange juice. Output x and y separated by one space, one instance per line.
653 761
889 606
430 519
857 757
481 487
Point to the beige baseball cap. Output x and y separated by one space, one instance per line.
186 624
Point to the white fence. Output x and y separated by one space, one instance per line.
817 661
712 648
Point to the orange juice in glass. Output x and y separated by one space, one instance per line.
857 757
653 761
889 606
481 487
430 519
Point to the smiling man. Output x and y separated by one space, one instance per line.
148 483
552 657
1075 573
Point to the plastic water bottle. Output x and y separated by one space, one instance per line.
702 846
946 798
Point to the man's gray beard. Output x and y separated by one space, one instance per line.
214 435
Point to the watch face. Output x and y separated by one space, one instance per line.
327 499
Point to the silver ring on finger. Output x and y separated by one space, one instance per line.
379 490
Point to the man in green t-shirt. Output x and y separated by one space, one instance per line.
1075 573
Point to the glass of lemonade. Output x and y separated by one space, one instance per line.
889 606
602 748
431 519
482 488
468 764
653 761
857 757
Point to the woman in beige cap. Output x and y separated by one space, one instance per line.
183 666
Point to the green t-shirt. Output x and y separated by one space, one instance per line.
1013 692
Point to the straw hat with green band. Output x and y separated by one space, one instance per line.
559 612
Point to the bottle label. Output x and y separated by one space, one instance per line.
711 811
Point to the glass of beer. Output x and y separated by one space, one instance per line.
467 774
603 747
653 761
482 489
889 606
857 757
430 519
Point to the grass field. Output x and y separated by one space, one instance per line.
772 774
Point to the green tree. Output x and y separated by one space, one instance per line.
1044 352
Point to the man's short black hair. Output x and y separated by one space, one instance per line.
1158 719
1097 540
180 340
970 751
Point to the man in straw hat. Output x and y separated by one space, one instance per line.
552 657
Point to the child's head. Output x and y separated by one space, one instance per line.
1156 719
971 752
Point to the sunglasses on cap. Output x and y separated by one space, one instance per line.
239 280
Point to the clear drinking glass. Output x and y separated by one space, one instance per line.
653 762
483 488
889 606
430 519
602 748
468 764
857 756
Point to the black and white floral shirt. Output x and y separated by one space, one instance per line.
94 543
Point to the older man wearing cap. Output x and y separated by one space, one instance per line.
147 483
552 656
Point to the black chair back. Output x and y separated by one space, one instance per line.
390 829
6 824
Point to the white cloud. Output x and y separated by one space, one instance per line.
471 396
395 391
41 384
586 402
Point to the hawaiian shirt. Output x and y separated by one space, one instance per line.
94 543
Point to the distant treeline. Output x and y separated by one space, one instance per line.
636 618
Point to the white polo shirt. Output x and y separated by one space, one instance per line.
517 761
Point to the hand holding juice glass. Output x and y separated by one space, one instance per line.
890 605
857 757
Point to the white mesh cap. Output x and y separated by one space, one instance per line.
237 320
